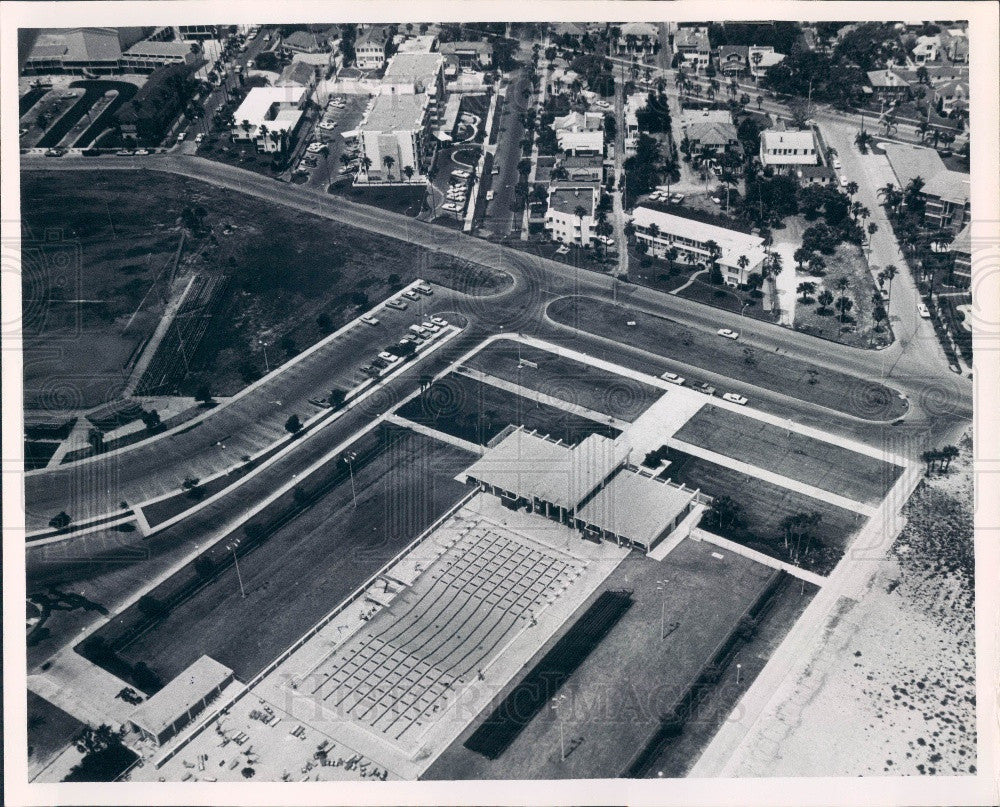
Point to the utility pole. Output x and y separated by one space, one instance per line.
232 548
350 457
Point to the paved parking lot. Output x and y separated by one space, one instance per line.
328 167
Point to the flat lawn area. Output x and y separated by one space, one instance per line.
763 506
396 198
291 279
82 288
312 563
858 328
478 412
728 299
783 374
615 698
567 379
714 707
824 465
50 729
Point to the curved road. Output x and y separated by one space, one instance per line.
938 398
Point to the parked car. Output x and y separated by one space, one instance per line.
429 326
836 164
182 137
369 370
562 250
409 295
57 152
327 125
677 198
706 388
367 319
460 174
490 195
423 288
199 138
120 152
673 378
451 207
399 305
843 181
728 333
141 152
380 363
923 311
440 322
249 64
732 397
389 357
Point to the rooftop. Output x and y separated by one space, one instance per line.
711 133
635 505
909 161
276 107
304 40
78 44
742 51
732 242
580 121
963 241
951 186
298 73
566 197
396 112
640 29
413 67
150 48
376 34
692 38
773 139
183 692
478 47
886 78
422 43
530 465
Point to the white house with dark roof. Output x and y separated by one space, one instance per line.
780 149
693 42
370 48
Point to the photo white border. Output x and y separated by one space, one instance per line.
931 790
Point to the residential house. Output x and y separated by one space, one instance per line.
762 59
816 175
418 43
734 60
395 136
304 42
298 74
582 168
637 37
321 63
475 55
571 216
270 117
694 44
370 48
660 231
952 96
562 78
710 128
633 104
926 49
888 84
579 122
780 150
955 45
580 142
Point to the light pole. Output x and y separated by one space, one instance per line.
661 586
739 667
263 344
350 457
232 548
556 702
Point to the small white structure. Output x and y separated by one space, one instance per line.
394 136
779 150
270 116
692 239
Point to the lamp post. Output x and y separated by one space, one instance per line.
661 586
232 548
350 456
263 344
739 668
556 702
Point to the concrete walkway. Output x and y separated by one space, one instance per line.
773 478
802 574
689 281
82 689
427 431
139 369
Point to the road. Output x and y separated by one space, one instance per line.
936 395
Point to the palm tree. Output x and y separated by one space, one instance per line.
389 161
852 188
844 304
805 288
366 161
889 273
949 453
825 298
409 171
756 58
816 264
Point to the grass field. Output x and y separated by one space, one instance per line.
301 572
783 374
98 241
567 379
763 506
478 412
615 698
824 465
50 729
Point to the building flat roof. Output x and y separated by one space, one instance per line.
909 161
635 505
639 29
530 465
566 197
257 106
407 67
183 692
455 47
772 139
150 48
690 116
396 111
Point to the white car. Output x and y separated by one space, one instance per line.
843 181
923 311
314 147
836 164
423 288
490 195
409 295
181 136
440 322
369 320
607 240
199 138
673 378
563 250
461 174
327 125
389 357
728 333
249 64
451 207
399 305
430 326
732 397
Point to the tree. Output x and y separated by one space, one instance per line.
806 288
293 425
949 453
408 170
203 394
337 398
851 188
324 323
151 419
888 274
389 161
816 265
825 298
844 305
801 255
724 512
60 521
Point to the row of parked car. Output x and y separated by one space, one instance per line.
418 332
458 190
704 387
